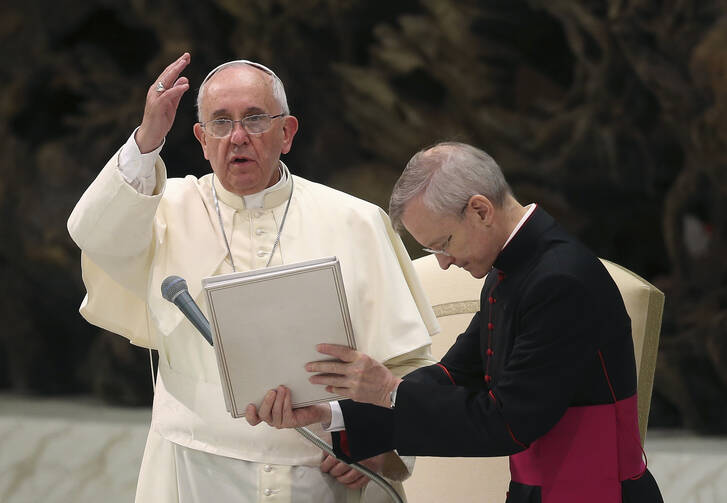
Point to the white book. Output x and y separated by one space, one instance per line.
266 325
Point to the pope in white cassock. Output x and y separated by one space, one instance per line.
135 227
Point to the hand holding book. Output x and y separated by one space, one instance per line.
356 375
277 411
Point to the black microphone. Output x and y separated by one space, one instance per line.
174 289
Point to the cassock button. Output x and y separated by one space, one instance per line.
488 379
491 300
261 253
490 352
490 326
268 492
268 468
501 275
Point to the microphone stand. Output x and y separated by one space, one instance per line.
203 328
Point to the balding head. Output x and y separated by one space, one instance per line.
276 85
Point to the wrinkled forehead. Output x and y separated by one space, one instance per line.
239 86
239 75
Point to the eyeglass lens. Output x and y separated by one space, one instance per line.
253 124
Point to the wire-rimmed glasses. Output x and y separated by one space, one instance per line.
441 251
252 124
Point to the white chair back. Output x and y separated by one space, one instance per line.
455 298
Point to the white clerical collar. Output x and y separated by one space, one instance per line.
273 196
531 208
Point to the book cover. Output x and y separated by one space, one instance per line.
266 324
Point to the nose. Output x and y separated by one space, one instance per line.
238 135
444 260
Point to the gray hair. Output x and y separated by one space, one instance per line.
276 83
447 175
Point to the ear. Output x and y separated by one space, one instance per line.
199 134
290 127
481 208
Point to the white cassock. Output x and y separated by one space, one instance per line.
130 242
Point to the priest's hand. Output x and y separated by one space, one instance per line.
162 100
277 411
343 473
356 375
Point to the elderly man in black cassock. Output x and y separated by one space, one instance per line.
545 372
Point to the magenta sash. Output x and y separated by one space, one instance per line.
585 456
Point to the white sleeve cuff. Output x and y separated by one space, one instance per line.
337 423
137 168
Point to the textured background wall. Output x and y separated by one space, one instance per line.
611 114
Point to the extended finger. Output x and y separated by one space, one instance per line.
175 91
172 71
170 98
329 380
327 367
336 350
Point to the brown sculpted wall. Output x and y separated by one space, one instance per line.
611 114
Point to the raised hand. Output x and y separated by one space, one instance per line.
356 375
276 410
161 105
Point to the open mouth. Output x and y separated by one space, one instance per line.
240 160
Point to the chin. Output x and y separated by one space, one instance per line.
245 184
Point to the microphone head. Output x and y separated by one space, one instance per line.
173 286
